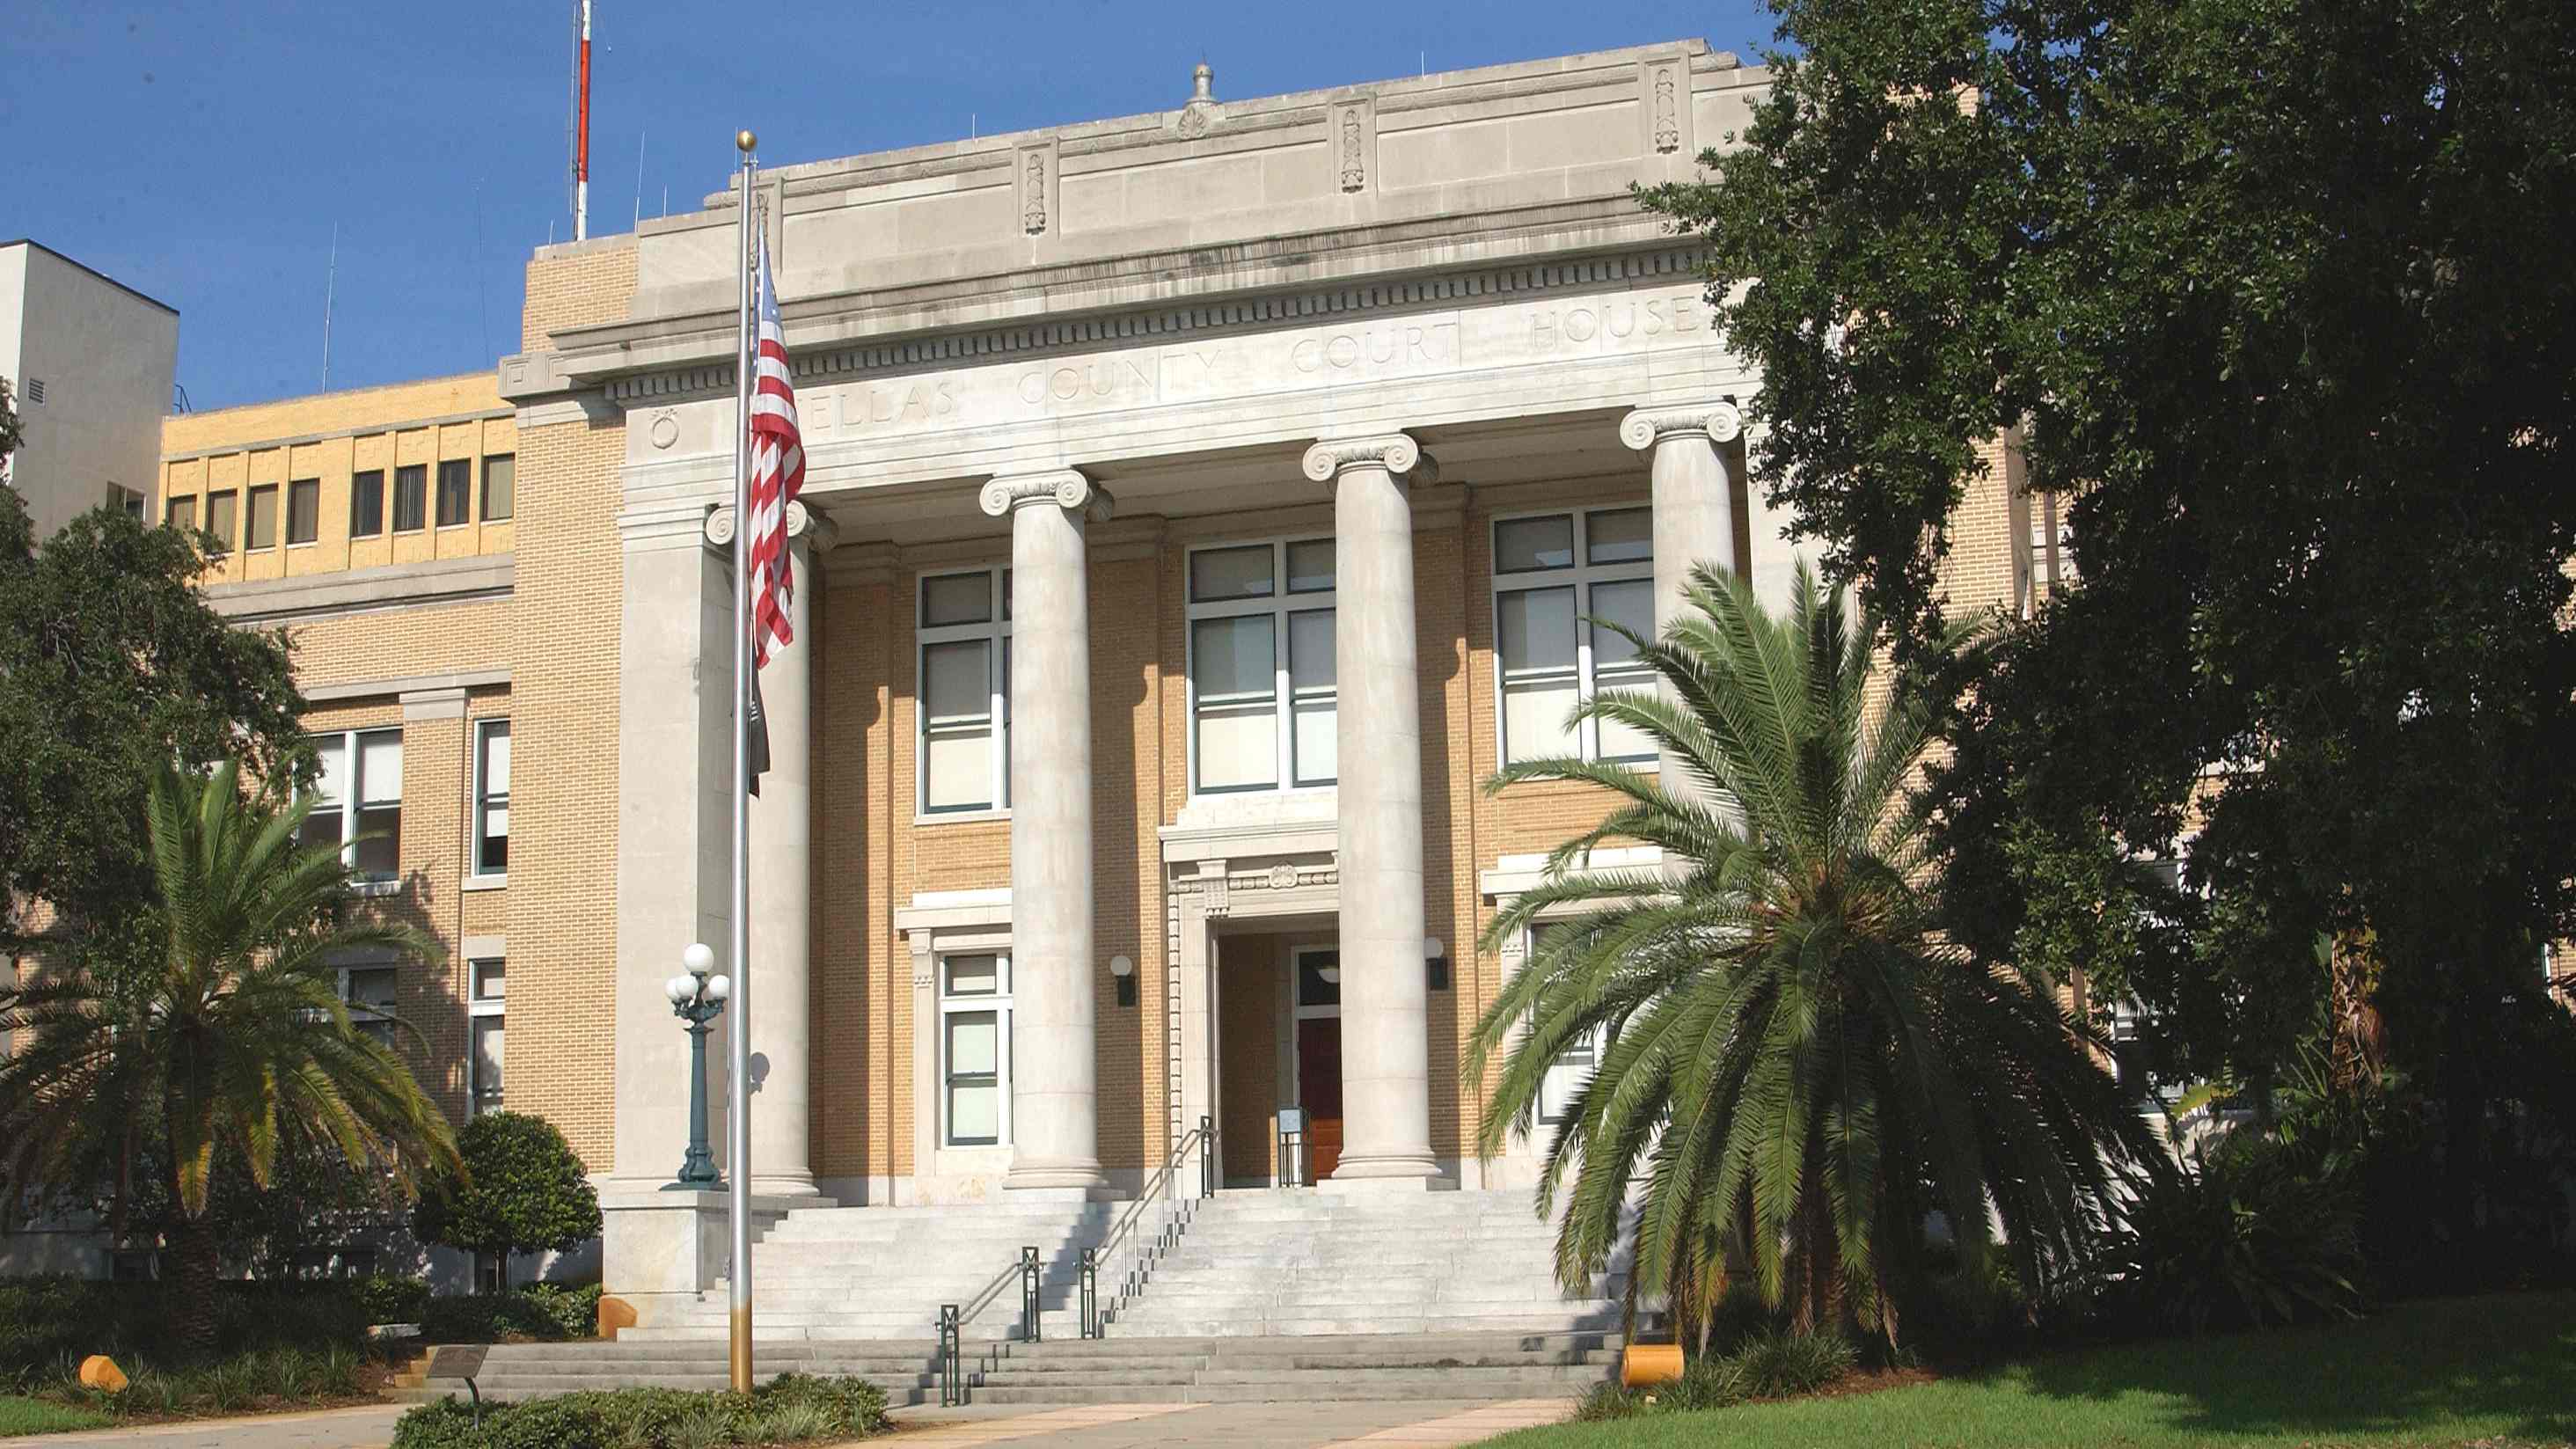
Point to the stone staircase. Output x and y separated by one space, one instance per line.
1250 1295
1271 1263
1232 1369
880 1274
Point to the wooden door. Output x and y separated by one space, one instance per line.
1319 1087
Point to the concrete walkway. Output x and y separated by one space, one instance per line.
1090 1426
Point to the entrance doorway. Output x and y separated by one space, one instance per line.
1318 984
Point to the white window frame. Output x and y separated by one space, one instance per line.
483 1006
1279 606
1557 1091
351 752
1299 1013
361 1016
1581 576
998 1002
997 631
476 877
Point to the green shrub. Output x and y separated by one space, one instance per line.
1781 1365
522 1191
791 1408
390 1298
262 1378
543 1311
47 1321
2248 1236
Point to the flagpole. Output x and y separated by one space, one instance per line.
738 1021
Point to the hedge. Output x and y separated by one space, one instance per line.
790 1409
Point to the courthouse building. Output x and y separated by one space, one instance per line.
1201 505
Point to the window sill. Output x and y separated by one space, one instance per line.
960 817
454 527
308 543
376 888
484 882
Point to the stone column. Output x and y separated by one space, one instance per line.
1055 1114
782 884
1694 497
1386 1067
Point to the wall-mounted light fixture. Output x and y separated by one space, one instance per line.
1435 965
1123 971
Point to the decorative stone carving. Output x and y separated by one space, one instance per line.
1033 211
1397 453
1066 488
817 531
1354 169
665 428
1668 126
1283 876
1350 130
1645 427
1201 112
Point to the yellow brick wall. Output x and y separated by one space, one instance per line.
862 971
564 781
329 438
1254 968
577 284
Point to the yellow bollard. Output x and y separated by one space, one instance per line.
1644 1364
98 1371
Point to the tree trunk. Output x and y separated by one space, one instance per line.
192 1307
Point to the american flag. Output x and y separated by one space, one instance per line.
777 475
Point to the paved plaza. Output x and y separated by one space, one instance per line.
1089 1426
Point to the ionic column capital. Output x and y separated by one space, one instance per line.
1067 488
1719 422
1397 453
804 525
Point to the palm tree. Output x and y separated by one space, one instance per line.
1795 1069
223 1038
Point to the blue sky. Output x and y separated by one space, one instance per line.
202 153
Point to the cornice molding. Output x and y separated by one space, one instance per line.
1719 422
1397 453
1067 488
975 344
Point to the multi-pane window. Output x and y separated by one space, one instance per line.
411 498
965 691
368 992
455 491
490 980
180 513
128 501
491 797
219 519
1573 1067
500 486
367 503
262 532
1553 574
1262 696
975 1050
303 510
357 804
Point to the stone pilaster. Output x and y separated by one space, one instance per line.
1055 1124
1694 500
1386 1079
782 879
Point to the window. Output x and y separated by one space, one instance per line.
411 498
128 501
1262 693
455 491
360 795
500 485
483 1059
263 518
1552 572
180 513
975 1049
367 503
303 510
491 797
965 702
368 992
219 519
1573 1067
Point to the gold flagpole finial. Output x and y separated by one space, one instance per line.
743 141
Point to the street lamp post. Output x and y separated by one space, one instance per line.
697 998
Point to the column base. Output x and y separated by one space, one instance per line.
1405 1173
1078 1180
799 1185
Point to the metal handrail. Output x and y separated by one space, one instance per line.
1171 1221
952 1383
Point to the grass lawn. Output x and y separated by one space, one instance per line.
31 1416
2448 1372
